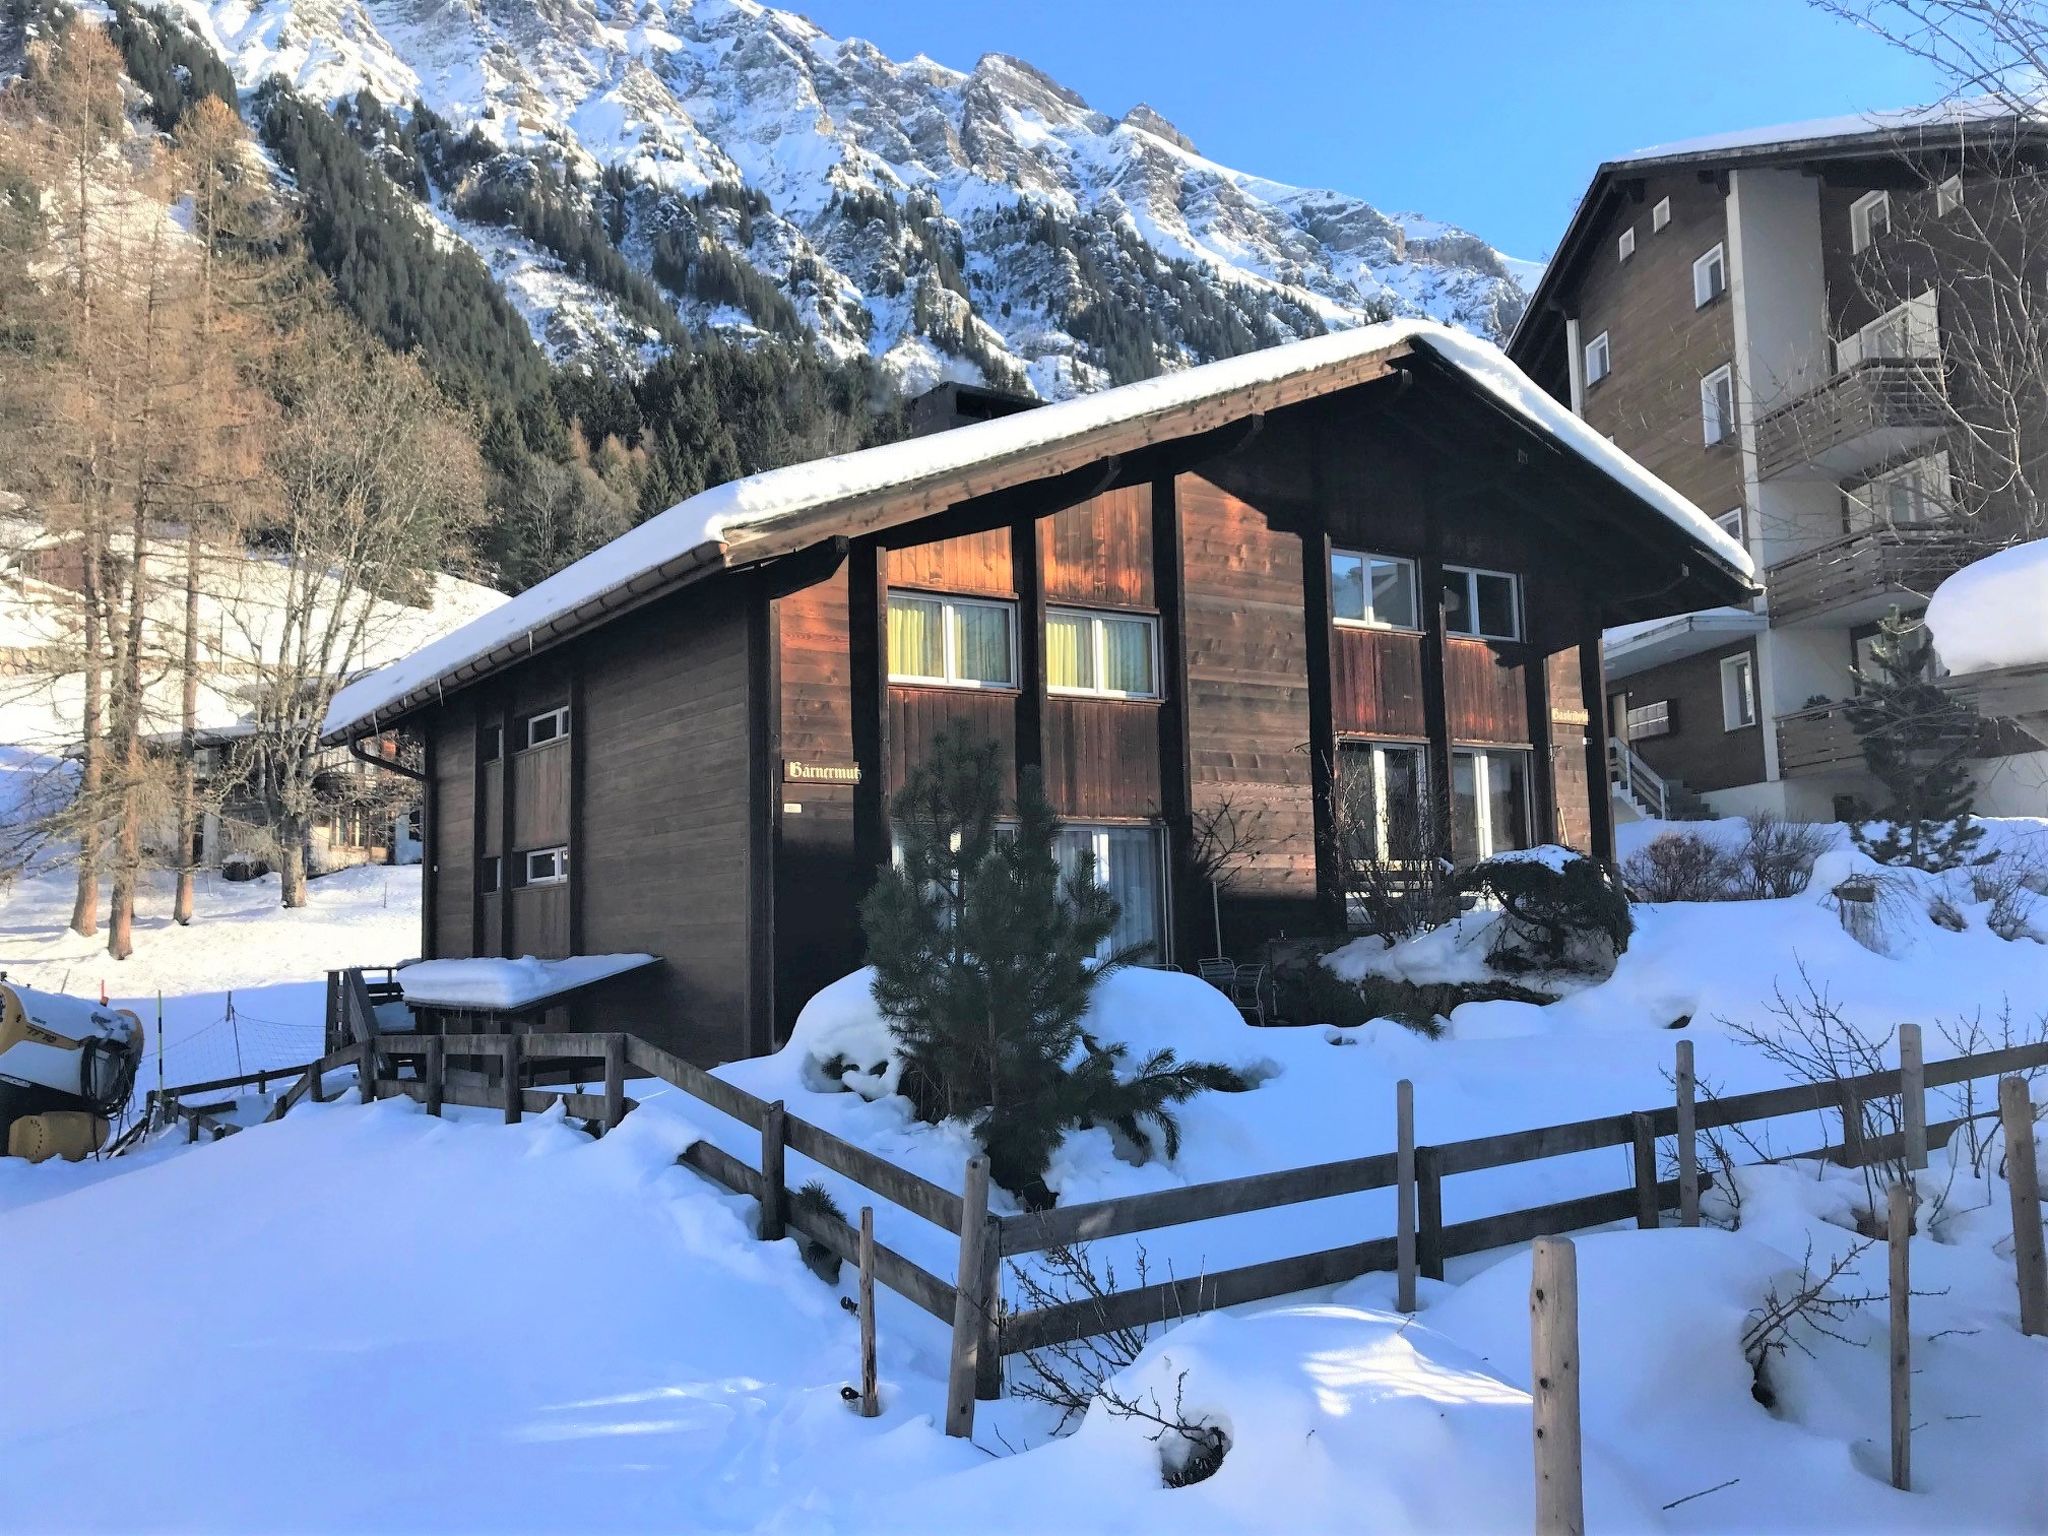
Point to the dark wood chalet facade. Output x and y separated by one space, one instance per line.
1192 593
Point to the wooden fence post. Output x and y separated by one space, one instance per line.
437 1074
968 1302
1643 1144
1554 1379
870 1390
2022 1179
773 1131
1913 1097
1688 1136
514 1103
316 1082
366 1070
1853 1155
988 1358
1429 1214
1899 1235
614 1081
1404 1196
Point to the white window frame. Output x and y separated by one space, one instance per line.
1626 245
949 645
1482 789
1713 426
1929 474
1730 523
1660 214
1098 643
1948 195
1918 321
1601 348
1370 621
1738 691
1646 721
1381 843
1714 259
558 866
1861 236
1472 573
560 718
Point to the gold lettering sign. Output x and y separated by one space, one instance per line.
1571 717
820 773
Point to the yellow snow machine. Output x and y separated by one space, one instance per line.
67 1066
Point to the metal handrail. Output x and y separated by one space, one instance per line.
1644 784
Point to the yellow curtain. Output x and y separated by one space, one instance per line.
915 648
1069 660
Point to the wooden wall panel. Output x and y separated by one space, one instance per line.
1376 683
916 715
454 832
1102 758
1485 693
817 684
1099 554
540 796
967 563
540 921
1568 726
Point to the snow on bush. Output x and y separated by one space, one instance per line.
1989 614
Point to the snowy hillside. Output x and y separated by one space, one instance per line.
983 224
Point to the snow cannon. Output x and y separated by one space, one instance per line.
67 1066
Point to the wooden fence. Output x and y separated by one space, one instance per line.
970 1303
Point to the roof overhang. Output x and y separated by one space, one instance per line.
1638 647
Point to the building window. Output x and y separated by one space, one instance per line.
1484 604
952 640
1730 523
1660 215
1948 196
1647 720
1914 494
1131 863
1738 692
1373 589
1869 217
545 866
1908 330
1709 278
1489 803
550 725
1599 359
1717 405
1381 790
1627 243
487 875
491 746
1108 655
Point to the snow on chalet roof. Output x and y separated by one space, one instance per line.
784 509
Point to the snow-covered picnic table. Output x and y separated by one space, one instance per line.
509 986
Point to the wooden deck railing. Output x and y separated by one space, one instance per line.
971 1302
1870 563
1825 425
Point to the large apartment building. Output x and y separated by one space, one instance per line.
1769 321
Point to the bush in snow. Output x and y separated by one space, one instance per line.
984 959
1560 910
1678 866
1776 857
1917 739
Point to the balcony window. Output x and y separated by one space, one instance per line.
1709 277
1870 217
1483 604
1107 655
1912 329
1717 405
1380 792
1599 359
956 641
1376 590
1660 215
1131 862
1908 495
1738 692
1489 803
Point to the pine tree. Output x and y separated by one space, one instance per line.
985 960
1917 739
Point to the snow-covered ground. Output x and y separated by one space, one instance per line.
361 1318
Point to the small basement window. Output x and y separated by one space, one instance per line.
1717 405
1106 655
959 641
487 874
1627 244
546 866
1484 604
1709 277
1660 215
549 725
1599 359
1375 590
1869 217
1647 720
1738 692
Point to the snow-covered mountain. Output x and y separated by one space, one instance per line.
981 224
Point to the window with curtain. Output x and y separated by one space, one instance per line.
961 641
1381 786
1490 811
1128 860
1112 655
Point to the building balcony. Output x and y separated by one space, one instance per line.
1856 579
1817 740
1879 409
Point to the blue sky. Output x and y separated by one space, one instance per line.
1486 113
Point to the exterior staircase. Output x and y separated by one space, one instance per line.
1643 794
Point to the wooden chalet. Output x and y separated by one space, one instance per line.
1383 548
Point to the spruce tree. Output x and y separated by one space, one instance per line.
1917 740
985 959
